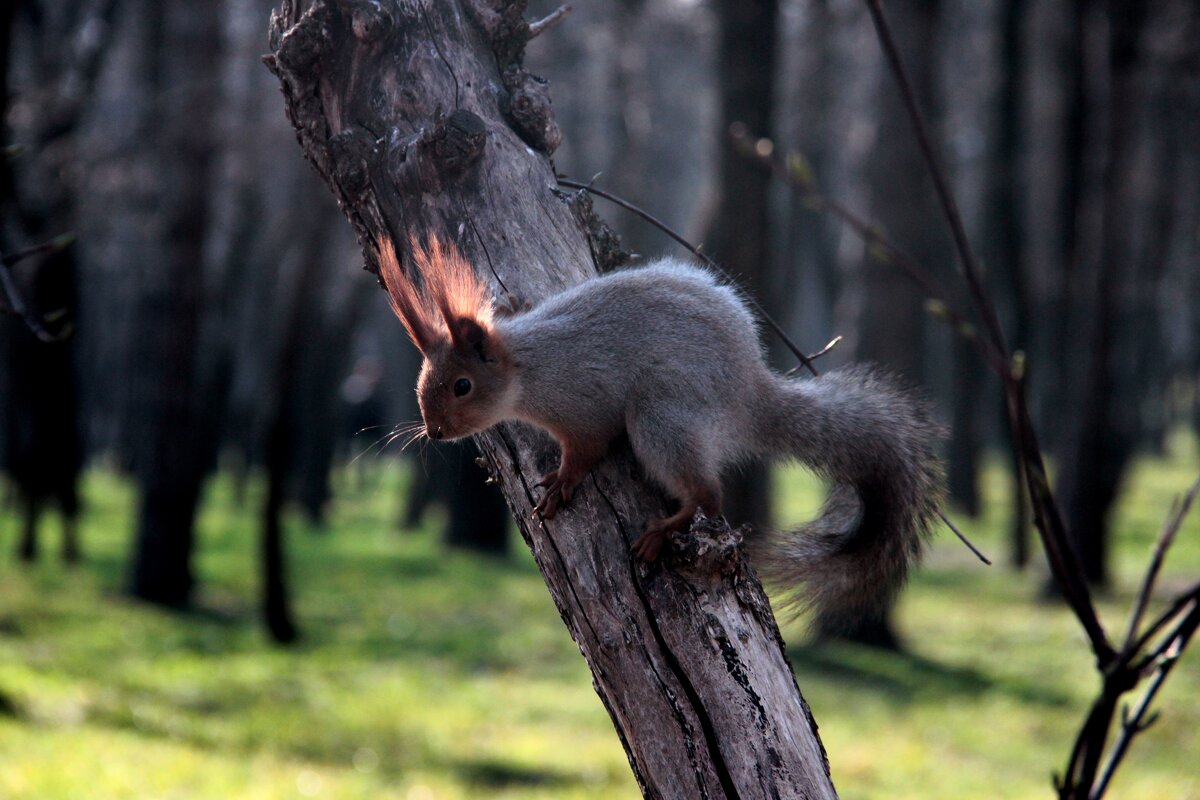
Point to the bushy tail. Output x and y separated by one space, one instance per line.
875 444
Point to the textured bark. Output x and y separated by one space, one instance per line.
423 122
1106 427
41 444
891 322
177 414
738 237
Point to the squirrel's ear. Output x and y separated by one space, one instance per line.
466 333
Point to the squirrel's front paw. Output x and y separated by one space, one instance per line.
558 493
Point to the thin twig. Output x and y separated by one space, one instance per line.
795 173
662 226
53 246
12 294
1063 560
538 27
970 264
1170 529
964 539
1134 725
1177 606
814 356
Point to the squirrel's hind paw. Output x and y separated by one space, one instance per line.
650 543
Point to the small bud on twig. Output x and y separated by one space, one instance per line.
1018 365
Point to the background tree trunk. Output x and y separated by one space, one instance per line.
478 515
41 442
171 461
891 322
1105 430
739 238
1004 212
423 121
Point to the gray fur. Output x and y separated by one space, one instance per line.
671 356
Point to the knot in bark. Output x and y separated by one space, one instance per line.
302 46
709 547
504 23
369 20
348 151
458 140
527 109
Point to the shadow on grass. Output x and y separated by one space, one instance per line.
495 775
907 677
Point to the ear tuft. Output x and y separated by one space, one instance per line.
408 302
452 301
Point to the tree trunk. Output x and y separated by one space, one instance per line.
1106 427
1004 214
423 122
891 322
41 446
281 406
171 460
739 236
478 517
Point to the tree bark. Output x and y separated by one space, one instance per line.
891 322
423 121
1105 430
739 235
1004 214
172 455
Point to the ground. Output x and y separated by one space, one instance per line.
423 674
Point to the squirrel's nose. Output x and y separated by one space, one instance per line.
434 433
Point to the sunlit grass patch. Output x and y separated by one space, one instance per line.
426 674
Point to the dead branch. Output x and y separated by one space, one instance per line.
1121 671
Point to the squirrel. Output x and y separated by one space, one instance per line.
670 356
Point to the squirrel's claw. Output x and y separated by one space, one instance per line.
558 493
650 543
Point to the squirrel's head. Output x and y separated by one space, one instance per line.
466 382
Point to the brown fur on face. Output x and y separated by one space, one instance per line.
489 400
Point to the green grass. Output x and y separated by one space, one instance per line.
427 674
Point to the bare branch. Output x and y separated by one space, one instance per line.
1064 562
57 244
551 20
1131 726
12 295
662 226
965 540
796 173
1165 540
970 264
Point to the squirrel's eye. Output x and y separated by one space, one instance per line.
461 387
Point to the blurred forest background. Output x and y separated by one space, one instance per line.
196 366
